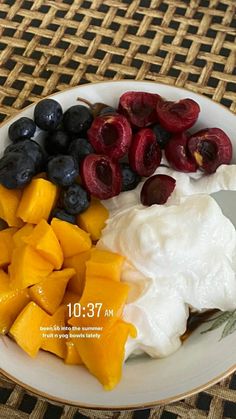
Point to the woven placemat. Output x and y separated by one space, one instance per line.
47 46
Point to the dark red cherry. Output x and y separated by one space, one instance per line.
210 148
177 154
139 108
110 135
101 176
178 116
144 153
157 189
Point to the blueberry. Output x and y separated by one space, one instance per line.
48 114
78 119
80 148
107 110
75 199
16 170
57 142
130 179
162 136
29 148
63 215
62 170
22 129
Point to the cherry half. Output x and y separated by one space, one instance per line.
177 116
210 148
139 108
101 176
177 154
144 153
110 135
157 189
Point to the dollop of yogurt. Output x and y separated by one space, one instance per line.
179 255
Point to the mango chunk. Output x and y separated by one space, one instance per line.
72 239
51 343
27 267
9 201
93 219
44 240
77 262
26 329
6 245
18 237
70 297
4 282
72 356
104 264
11 304
102 303
48 293
37 201
104 356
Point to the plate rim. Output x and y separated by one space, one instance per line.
133 406
136 406
7 120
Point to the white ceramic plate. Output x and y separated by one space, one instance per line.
203 360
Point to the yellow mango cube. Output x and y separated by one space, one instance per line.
11 304
26 329
27 267
44 240
4 282
72 239
101 304
9 202
70 297
18 237
48 293
104 264
51 343
72 356
78 263
37 201
93 219
104 357
6 245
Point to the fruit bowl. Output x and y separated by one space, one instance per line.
202 360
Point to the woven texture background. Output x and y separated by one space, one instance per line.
47 46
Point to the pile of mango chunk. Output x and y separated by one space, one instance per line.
48 264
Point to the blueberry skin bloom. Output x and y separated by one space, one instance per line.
162 136
130 179
63 215
80 148
77 119
75 199
57 142
48 114
29 148
62 170
23 128
16 170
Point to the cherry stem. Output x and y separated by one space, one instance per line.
81 99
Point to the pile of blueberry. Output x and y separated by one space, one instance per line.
111 149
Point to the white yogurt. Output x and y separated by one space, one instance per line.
179 255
